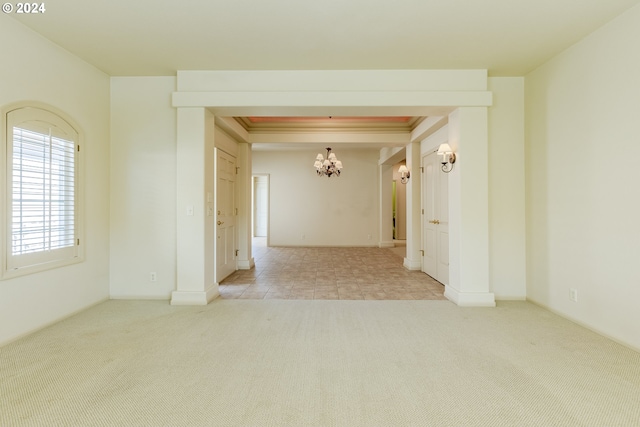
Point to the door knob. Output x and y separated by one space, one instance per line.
220 222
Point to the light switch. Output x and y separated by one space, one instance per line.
190 210
210 209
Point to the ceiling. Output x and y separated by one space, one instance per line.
158 37
322 124
305 132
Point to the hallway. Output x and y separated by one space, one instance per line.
329 274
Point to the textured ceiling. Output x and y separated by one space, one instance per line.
145 37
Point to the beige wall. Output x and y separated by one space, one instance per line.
507 235
40 71
143 187
583 209
332 211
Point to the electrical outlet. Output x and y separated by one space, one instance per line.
303 237
369 236
573 294
152 276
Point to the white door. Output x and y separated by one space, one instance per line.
260 205
226 215
435 219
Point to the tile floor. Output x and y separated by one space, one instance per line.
329 273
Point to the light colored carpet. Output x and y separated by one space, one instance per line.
317 363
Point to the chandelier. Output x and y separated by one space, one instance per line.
329 166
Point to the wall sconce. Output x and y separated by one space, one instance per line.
448 157
404 174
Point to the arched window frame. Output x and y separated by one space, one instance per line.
42 212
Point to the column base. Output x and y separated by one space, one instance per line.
412 264
469 299
195 298
246 264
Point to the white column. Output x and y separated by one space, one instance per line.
386 210
469 209
243 219
413 259
195 242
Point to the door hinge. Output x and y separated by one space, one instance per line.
236 211
421 252
78 242
422 169
237 250
237 168
422 211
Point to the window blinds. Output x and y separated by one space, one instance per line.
43 191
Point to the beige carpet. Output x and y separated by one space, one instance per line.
317 363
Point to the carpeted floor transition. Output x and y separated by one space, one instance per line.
317 363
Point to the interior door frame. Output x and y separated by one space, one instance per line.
440 269
228 214
430 270
268 205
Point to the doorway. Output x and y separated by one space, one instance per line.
260 208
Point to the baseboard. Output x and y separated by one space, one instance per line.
469 299
52 322
510 297
141 297
386 245
195 298
584 325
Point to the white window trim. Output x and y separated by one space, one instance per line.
5 195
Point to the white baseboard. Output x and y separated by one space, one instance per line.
195 298
386 245
469 299
52 322
584 324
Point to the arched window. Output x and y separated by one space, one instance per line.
41 191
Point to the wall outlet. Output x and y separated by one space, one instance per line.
369 236
303 237
152 276
573 294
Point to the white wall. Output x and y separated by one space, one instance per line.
143 187
507 234
583 209
332 211
35 69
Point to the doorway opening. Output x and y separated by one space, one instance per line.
260 210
